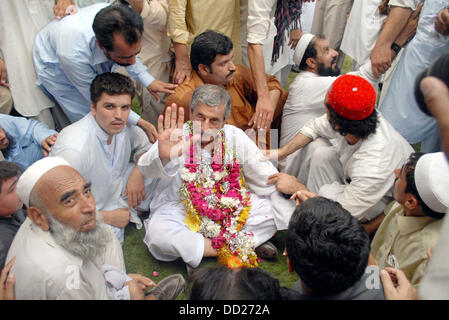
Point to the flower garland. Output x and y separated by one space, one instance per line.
217 202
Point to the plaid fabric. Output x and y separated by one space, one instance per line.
287 17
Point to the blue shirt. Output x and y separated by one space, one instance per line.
67 60
26 136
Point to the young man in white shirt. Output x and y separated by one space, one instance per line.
100 146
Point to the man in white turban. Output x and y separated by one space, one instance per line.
63 249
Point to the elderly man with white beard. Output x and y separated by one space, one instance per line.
64 250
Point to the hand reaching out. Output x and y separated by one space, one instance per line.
47 143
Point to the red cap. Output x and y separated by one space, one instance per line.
352 97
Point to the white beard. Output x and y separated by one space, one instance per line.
90 244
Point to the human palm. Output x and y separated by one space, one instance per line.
170 132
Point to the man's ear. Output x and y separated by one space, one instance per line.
410 201
203 70
312 63
38 217
93 108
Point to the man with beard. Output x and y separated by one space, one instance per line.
212 62
318 64
102 38
359 152
24 141
100 147
63 249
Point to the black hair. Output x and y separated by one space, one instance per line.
409 168
111 83
310 52
8 170
327 247
222 283
206 46
359 128
117 18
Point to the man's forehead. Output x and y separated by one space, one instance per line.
209 111
321 43
59 179
115 98
222 57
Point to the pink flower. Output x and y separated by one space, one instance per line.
155 273
218 242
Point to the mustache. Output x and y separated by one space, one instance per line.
230 73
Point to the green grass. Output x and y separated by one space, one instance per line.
139 260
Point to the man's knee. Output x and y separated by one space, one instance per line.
322 156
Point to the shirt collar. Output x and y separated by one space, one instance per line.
101 135
407 225
98 55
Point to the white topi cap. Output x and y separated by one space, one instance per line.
301 47
432 181
32 175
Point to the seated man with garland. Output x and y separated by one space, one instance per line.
212 199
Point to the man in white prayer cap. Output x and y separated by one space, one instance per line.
412 223
318 64
64 250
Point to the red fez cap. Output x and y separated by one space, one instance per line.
352 97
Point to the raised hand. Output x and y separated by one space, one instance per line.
170 132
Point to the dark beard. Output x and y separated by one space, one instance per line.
120 64
11 143
328 71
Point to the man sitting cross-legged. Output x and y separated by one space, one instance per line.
64 250
211 200
100 146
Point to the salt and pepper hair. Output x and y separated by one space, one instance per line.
212 96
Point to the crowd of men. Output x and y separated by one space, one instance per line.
221 153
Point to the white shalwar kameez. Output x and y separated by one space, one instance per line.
168 237
305 102
46 271
83 144
361 176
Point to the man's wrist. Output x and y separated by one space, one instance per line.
396 47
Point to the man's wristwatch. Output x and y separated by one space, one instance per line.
395 47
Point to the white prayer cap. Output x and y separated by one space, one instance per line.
301 47
32 175
432 181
